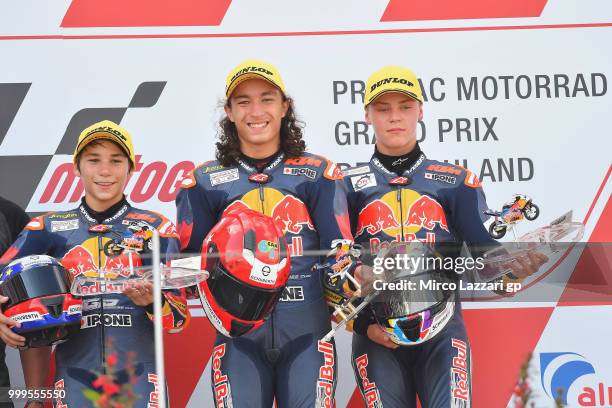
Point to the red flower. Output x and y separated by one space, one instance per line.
518 390
108 386
110 389
525 387
103 401
100 381
111 360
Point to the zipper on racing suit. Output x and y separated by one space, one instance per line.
272 353
399 199
262 208
261 198
102 353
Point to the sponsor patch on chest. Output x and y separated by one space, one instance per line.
300 171
445 178
64 225
356 170
363 181
222 177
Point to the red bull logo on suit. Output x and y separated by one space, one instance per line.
427 212
84 260
401 218
288 212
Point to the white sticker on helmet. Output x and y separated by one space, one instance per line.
262 272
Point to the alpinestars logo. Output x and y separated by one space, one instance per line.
47 183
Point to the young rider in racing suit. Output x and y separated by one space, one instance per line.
89 241
261 164
401 195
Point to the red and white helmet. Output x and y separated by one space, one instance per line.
246 257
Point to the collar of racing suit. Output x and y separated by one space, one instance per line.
399 164
101 216
259 164
275 160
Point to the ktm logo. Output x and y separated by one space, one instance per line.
412 10
145 13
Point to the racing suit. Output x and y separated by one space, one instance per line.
435 203
283 359
88 243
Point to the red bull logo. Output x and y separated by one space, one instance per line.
368 388
120 265
327 380
427 212
84 260
460 377
59 386
291 215
375 217
154 395
401 218
79 261
223 394
287 211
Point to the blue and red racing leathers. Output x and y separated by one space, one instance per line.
283 359
435 203
111 324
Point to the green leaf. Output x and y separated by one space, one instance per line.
92 395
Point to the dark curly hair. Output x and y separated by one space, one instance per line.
291 143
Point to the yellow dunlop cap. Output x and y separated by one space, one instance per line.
392 79
106 130
251 69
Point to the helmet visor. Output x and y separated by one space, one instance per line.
412 294
34 283
242 301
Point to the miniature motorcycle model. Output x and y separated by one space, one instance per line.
521 207
340 287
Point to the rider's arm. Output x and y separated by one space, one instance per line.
175 313
33 240
328 207
195 214
467 206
